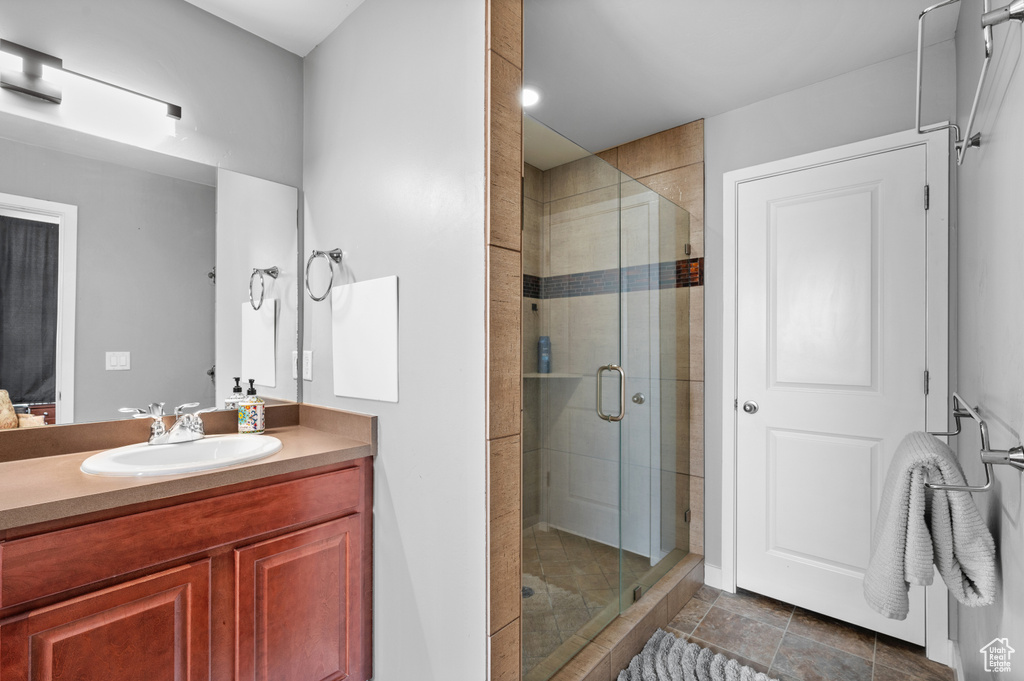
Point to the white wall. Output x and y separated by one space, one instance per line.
991 361
870 102
394 176
241 96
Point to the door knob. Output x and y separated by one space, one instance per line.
639 398
750 406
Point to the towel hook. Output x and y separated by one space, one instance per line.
1012 457
272 272
335 255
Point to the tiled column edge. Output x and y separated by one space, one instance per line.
505 491
503 243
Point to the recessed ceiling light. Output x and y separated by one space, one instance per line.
530 96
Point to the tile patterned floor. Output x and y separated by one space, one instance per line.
573 580
792 644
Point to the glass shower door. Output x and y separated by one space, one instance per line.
601 412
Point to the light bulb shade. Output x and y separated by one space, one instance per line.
29 80
30 85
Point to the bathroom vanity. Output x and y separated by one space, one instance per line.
260 571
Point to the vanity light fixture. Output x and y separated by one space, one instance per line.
529 96
29 81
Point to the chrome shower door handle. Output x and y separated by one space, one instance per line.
622 392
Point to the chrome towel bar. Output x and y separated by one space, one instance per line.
1010 457
990 18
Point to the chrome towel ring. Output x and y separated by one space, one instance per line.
272 272
335 255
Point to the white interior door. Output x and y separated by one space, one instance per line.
831 340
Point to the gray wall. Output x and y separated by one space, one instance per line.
989 293
145 245
241 96
859 105
394 176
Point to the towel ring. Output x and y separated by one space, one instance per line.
273 272
335 255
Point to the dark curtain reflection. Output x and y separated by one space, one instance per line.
28 309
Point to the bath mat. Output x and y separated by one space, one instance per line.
667 658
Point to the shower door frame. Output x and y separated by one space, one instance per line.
938 336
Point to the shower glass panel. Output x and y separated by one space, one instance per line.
605 501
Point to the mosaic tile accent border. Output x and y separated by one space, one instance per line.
531 286
671 274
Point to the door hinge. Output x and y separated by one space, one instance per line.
736 404
547 479
925 381
686 516
927 197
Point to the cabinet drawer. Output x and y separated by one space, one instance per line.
302 587
153 628
51 563
49 411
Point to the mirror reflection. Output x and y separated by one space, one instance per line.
108 288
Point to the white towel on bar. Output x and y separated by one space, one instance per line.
918 526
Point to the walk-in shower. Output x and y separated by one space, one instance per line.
606 277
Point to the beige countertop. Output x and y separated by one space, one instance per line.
53 487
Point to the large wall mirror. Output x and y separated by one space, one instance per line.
121 284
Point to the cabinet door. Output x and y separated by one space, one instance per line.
155 628
300 605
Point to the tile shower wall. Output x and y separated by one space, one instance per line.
571 242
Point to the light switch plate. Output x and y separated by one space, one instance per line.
119 361
307 365
295 364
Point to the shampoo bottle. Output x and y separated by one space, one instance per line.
250 412
544 355
236 395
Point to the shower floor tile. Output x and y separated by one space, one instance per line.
573 580
793 644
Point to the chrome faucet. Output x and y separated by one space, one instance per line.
186 427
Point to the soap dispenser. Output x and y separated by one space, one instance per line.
236 396
250 412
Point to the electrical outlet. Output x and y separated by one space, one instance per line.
119 361
307 365
295 363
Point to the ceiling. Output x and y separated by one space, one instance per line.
296 25
611 71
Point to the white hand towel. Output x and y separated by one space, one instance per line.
918 526
259 343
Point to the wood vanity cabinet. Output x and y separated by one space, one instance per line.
263 581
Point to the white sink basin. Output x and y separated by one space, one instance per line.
213 451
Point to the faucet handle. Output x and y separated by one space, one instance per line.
180 409
154 411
